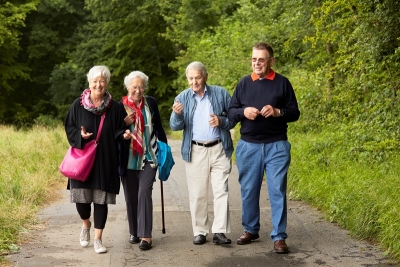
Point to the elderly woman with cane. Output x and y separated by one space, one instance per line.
138 159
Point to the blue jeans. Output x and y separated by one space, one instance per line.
252 159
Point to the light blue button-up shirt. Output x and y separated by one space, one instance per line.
202 131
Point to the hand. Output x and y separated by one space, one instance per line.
177 107
251 113
129 119
127 135
215 121
268 111
84 134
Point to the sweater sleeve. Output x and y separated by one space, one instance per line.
226 123
290 108
235 110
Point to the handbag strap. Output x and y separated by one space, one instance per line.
100 127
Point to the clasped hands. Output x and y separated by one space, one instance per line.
251 113
214 121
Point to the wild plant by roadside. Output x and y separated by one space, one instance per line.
29 178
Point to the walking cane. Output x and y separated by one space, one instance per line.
162 207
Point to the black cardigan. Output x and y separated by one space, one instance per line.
123 146
104 174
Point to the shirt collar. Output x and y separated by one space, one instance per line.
205 91
270 76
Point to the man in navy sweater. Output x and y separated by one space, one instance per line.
263 102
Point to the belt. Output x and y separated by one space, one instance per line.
213 143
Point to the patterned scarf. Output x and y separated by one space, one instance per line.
86 102
138 124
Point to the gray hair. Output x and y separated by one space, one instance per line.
99 71
136 74
197 65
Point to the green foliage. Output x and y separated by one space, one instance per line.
226 48
359 199
25 185
187 18
12 20
44 43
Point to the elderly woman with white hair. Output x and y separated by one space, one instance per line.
138 160
81 126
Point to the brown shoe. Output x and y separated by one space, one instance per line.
280 247
246 238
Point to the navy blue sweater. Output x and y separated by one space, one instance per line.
278 93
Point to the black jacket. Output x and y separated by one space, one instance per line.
104 174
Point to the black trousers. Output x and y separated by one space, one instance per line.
138 190
100 213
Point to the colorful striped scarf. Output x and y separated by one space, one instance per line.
138 124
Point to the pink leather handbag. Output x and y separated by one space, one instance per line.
78 163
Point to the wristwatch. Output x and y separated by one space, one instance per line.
281 112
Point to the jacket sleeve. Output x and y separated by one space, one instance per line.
72 127
123 146
177 122
157 121
226 124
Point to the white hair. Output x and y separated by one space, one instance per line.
99 71
197 65
136 74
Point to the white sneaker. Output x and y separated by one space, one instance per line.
98 246
84 237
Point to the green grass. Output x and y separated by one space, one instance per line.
358 194
29 178
174 135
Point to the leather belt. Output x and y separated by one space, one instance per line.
213 143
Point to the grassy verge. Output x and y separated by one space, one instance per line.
29 178
360 195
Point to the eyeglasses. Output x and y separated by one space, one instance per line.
261 60
141 88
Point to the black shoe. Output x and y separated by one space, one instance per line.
220 238
199 239
134 239
144 245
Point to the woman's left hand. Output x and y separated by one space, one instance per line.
127 135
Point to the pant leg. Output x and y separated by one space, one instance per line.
84 210
100 213
130 182
277 164
197 176
145 200
220 169
251 171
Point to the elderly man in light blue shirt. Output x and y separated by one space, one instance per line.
200 111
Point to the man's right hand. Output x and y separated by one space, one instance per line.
251 113
177 107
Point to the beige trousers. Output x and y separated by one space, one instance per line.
209 165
